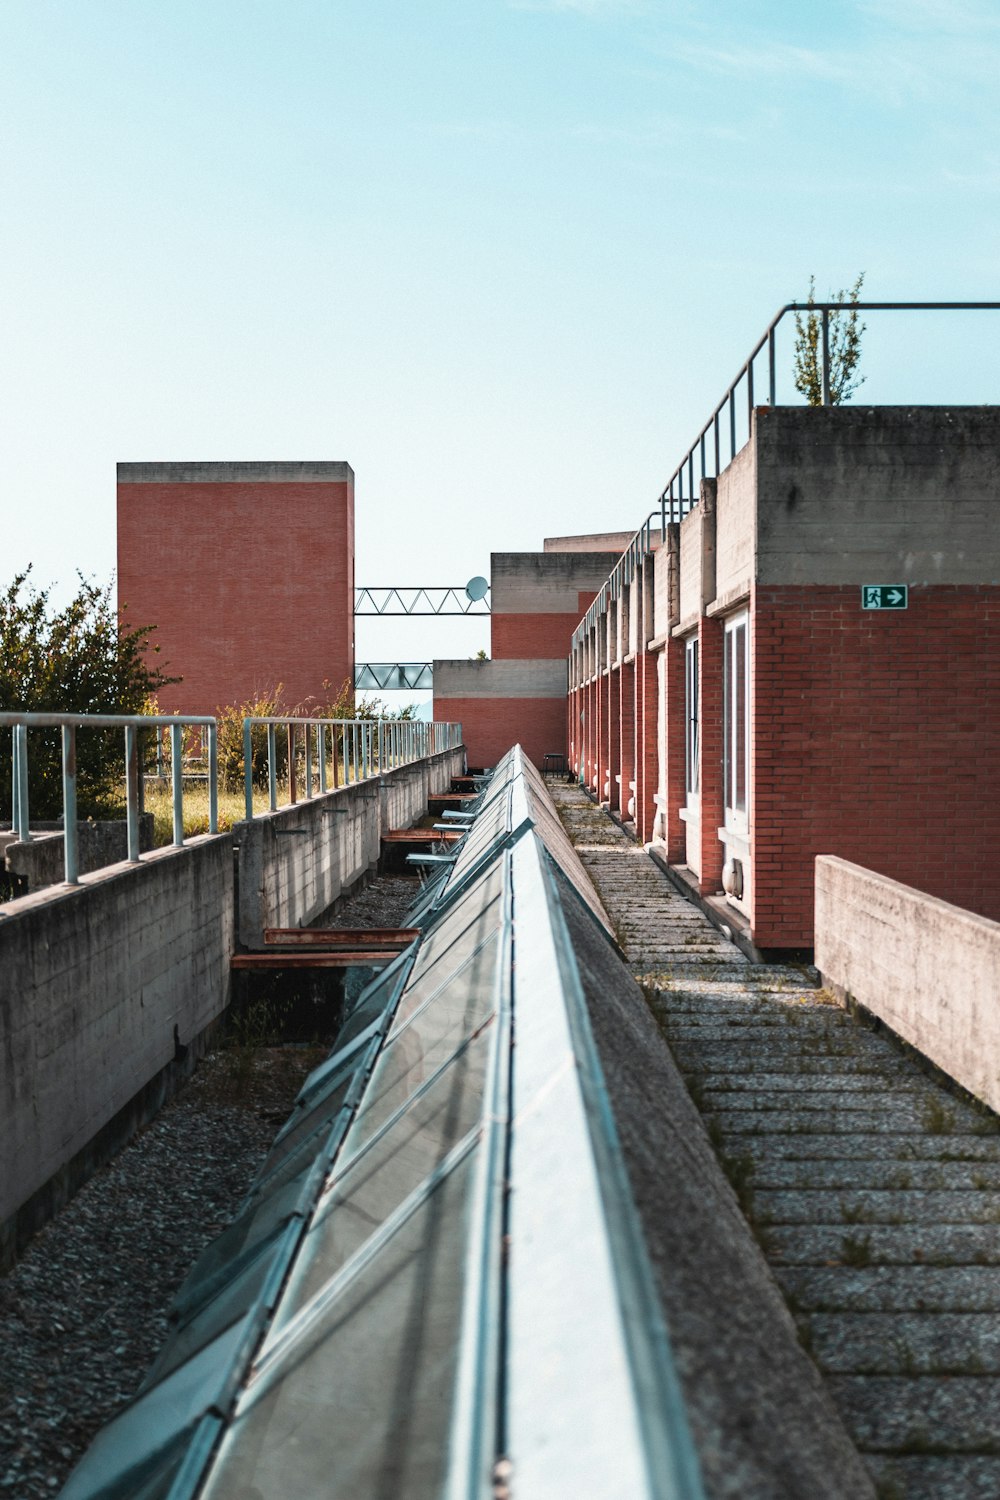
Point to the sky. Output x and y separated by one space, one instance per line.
502 256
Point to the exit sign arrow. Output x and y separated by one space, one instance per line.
884 595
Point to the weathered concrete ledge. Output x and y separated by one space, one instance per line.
929 970
107 988
99 842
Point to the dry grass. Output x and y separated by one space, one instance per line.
159 801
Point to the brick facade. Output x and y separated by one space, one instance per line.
487 726
537 599
247 572
875 737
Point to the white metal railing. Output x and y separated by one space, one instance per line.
346 751
133 725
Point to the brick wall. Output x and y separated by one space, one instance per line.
249 580
875 738
491 725
647 748
520 636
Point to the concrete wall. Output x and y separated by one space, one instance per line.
735 526
95 979
929 970
295 863
877 495
614 542
247 572
101 842
697 559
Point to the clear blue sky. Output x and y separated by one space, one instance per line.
503 256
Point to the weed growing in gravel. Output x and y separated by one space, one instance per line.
938 1118
856 1250
251 1027
741 1170
854 1213
906 1359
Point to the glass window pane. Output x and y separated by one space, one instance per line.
364 1196
320 1115
409 1060
233 1301
152 1421
262 1220
361 1405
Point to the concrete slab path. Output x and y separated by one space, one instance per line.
873 1190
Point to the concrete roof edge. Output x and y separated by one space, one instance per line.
240 471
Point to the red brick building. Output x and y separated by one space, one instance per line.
247 572
735 698
519 694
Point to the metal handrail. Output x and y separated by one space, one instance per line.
367 747
674 504
133 724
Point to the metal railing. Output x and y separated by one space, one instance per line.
346 751
704 458
358 749
133 725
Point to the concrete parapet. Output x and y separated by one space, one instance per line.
929 970
99 842
541 678
107 988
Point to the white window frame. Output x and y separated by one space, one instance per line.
692 720
736 722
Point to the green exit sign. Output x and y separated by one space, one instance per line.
884 595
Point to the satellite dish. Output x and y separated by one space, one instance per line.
476 589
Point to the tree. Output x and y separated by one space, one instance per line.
845 347
79 659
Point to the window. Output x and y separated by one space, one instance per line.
737 720
691 747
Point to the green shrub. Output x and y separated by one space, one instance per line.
78 659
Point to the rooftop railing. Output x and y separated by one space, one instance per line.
704 458
346 751
339 752
133 725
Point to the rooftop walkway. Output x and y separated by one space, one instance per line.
874 1192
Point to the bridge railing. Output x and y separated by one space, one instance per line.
707 455
339 752
133 726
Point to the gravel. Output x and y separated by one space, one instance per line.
383 903
83 1313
